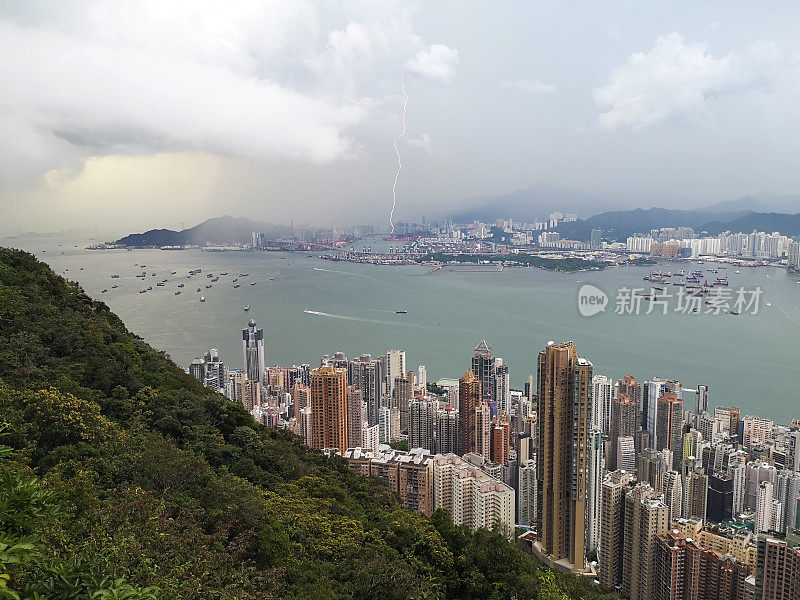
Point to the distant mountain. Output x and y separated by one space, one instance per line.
222 230
537 202
618 225
621 224
785 223
760 203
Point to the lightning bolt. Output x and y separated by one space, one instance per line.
397 152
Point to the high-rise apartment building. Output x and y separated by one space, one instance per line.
624 423
473 498
610 552
684 569
365 374
594 479
469 398
447 431
702 400
403 393
500 441
602 393
669 423
395 362
253 352
565 390
778 572
355 410
645 518
329 423
526 493
422 424
502 386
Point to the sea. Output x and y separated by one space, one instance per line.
309 307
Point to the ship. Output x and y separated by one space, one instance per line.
401 312
180 285
202 298
103 291
246 307
235 285
178 293
208 286
115 277
252 283
113 287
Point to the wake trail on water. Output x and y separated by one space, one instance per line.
319 313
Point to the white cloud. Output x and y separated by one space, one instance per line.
143 76
675 80
437 62
533 86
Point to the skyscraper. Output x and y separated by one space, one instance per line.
565 390
594 479
701 400
502 388
469 397
483 367
601 403
329 424
613 492
526 493
365 374
253 352
645 518
395 366
623 423
669 430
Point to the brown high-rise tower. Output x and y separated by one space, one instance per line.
329 426
469 396
565 395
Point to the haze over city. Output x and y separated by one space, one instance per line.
138 114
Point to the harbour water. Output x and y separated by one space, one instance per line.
309 307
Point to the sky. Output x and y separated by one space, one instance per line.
153 113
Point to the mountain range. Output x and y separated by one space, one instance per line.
221 230
539 201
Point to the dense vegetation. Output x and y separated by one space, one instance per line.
123 478
520 259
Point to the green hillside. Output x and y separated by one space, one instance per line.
122 477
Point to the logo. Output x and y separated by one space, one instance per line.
591 300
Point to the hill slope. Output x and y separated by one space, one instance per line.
156 488
220 230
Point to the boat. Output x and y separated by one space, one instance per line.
272 279
115 277
180 285
401 312
208 286
142 291
149 287
202 298
178 293
113 287
224 273
173 272
737 272
243 274
198 289
160 284
246 307
235 285
210 275
103 291
215 279
252 283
